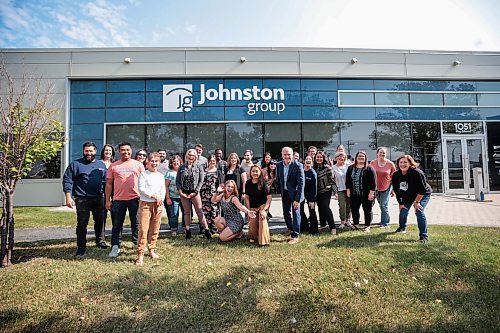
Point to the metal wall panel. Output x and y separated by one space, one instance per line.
37 57
449 71
350 70
235 55
128 70
39 193
345 57
99 57
238 68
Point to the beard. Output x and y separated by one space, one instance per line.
89 158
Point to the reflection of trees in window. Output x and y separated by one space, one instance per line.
427 151
396 137
324 136
169 137
211 136
240 137
134 134
46 170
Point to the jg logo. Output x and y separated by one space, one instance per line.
177 97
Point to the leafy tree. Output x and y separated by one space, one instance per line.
30 132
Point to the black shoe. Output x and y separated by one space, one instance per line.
400 231
207 233
423 240
188 234
103 246
80 252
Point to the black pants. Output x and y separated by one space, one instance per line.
325 213
308 224
358 201
83 208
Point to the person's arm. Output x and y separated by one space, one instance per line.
167 192
348 181
108 191
217 196
201 177
372 183
299 194
178 182
244 181
242 208
68 185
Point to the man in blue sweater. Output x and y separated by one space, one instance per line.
84 179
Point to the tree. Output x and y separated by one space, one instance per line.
30 132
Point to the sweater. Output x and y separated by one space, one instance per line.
85 179
151 183
408 186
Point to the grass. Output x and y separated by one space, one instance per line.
355 282
41 217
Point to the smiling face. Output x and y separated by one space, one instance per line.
248 156
108 152
308 161
255 172
176 164
89 153
212 162
153 163
233 160
381 154
126 152
229 187
191 156
141 156
319 159
286 154
199 151
267 158
163 155
404 164
360 159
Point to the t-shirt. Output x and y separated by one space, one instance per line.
125 175
246 166
172 189
384 174
357 181
339 174
257 197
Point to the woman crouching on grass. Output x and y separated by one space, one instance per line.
152 190
258 200
231 225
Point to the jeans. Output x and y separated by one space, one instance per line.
358 201
83 208
421 219
325 213
383 201
173 213
118 212
310 224
292 224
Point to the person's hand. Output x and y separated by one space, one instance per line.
169 201
252 214
393 193
70 203
108 205
348 193
220 188
402 207
418 206
312 205
192 195
296 204
336 196
371 196
156 198
159 203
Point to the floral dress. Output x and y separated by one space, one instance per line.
232 215
209 187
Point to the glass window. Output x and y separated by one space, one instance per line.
125 99
126 86
426 99
243 136
279 135
87 100
460 99
488 86
356 98
390 85
353 113
46 169
134 134
211 136
488 99
168 137
319 98
319 85
391 99
355 84
396 137
88 86
494 154
324 136
426 138
359 136
121 115
394 113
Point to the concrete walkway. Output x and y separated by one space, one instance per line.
442 210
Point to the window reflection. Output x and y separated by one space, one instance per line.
426 139
359 136
324 136
134 134
211 136
242 136
169 137
396 137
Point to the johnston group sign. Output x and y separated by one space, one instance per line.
179 97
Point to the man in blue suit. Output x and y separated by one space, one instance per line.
290 175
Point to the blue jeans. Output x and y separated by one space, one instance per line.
292 224
421 219
173 213
383 201
118 212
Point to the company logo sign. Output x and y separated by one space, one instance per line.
179 97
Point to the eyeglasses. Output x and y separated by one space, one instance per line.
141 154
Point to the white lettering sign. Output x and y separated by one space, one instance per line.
463 127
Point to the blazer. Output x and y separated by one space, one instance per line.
294 182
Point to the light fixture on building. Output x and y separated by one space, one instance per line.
354 60
127 60
457 63
243 59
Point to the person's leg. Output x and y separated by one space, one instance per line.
321 214
263 234
421 218
296 222
82 220
253 225
383 201
118 212
154 226
227 235
325 198
196 200
355 202
287 207
144 218
403 216
133 207
342 197
220 223
97 214
186 205
368 211
304 221
313 221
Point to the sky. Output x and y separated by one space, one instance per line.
455 25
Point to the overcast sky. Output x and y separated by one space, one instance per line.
468 25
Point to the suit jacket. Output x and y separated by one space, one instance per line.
294 181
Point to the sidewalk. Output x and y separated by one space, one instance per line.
442 210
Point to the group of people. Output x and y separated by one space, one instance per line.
219 190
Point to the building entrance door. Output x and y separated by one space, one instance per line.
461 154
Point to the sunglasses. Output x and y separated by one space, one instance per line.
141 154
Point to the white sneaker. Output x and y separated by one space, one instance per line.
367 229
114 251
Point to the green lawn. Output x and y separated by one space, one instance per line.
355 282
41 217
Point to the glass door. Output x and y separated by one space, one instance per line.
461 156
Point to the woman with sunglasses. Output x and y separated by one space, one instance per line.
360 184
141 155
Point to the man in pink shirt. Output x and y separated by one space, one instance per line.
384 169
122 193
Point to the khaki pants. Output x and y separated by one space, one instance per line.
149 225
258 228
